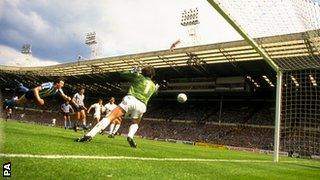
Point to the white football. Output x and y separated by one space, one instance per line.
182 97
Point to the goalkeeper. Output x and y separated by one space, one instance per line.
133 104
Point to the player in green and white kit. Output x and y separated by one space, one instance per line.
133 104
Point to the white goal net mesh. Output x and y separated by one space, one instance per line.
293 28
294 24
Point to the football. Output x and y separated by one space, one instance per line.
182 97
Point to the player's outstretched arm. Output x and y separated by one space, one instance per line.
156 89
89 109
37 96
65 97
129 75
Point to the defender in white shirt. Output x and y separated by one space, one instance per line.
65 108
78 101
114 126
110 106
97 111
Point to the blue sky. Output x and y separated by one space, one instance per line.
56 28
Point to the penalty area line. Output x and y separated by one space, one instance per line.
131 158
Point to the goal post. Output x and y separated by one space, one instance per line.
245 36
295 27
276 146
268 59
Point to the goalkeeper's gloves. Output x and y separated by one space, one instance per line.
157 87
136 70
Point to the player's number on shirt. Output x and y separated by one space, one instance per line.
148 86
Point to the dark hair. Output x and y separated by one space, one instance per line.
99 100
148 71
80 88
56 81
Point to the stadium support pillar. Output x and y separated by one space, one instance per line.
216 5
277 118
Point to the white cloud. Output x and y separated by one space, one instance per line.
57 28
25 20
122 26
12 57
139 26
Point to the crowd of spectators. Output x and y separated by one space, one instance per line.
231 112
197 114
235 135
239 136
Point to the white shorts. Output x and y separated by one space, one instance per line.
97 116
133 107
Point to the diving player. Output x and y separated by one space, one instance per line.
38 93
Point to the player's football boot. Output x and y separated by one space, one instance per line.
22 89
111 136
84 139
75 128
131 142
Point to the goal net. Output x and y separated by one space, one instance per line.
293 28
300 117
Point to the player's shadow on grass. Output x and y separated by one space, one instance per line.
123 144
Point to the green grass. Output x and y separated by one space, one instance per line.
22 138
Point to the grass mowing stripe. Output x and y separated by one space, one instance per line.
131 158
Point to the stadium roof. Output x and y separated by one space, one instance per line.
279 47
230 59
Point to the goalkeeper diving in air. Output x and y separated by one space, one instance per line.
133 104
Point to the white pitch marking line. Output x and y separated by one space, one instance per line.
132 158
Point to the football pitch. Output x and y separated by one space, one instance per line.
43 152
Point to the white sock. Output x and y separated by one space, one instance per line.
132 130
116 129
100 126
65 124
69 122
84 122
111 128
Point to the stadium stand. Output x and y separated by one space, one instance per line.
225 83
192 123
239 136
